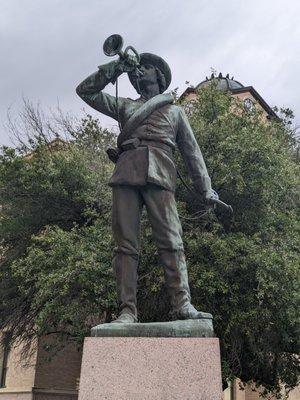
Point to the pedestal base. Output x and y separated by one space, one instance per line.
187 328
156 368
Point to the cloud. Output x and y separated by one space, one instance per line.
48 47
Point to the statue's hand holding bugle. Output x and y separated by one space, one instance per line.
128 62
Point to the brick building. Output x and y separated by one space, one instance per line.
247 94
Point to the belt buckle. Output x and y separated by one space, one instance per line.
130 144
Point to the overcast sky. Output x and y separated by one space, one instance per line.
49 46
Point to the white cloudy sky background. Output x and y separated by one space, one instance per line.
49 46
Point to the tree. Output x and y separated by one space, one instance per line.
55 224
245 269
53 198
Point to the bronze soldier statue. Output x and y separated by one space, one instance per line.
145 173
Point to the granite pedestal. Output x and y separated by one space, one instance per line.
177 360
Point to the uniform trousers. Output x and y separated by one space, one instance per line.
128 202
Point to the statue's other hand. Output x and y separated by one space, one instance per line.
210 197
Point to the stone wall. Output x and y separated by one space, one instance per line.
20 374
62 371
15 395
42 394
250 394
241 96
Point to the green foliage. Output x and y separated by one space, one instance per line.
53 186
55 214
66 279
55 227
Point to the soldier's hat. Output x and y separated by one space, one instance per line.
158 62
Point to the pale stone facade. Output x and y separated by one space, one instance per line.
247 93
19 379
38 378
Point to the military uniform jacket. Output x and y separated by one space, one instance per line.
167 125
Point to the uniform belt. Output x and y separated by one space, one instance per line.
136 142
159 145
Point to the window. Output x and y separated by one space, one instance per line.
189 107
249 105
4 351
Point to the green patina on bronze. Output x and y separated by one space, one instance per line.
189 328
145 173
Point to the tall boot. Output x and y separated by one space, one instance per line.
176 278
125 269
